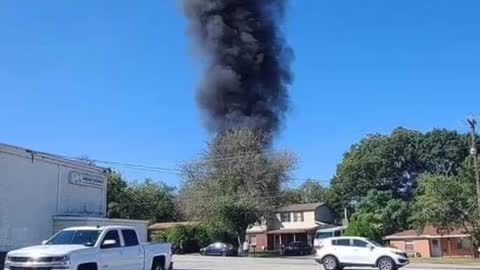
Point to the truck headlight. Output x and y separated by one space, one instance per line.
62 262
7 263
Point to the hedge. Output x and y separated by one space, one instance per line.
190 238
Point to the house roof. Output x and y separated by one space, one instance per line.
293 230
428 232
300 207
168 225
56 159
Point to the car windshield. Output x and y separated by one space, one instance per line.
323 235
77 237
375 243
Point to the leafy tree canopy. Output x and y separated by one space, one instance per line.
148 200
393 163
237 181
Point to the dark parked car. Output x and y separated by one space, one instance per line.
297 249
219 249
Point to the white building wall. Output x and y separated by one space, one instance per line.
78 199
34 187
28 200
308 221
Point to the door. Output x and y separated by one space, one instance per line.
343 250
110 254
277 243
436 248
362 253
132 251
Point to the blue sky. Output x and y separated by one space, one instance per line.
115 80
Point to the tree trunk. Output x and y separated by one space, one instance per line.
241 236
475 251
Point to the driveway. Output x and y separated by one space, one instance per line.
192 262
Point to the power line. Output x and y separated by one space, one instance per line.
176 171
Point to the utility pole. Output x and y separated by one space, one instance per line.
474 152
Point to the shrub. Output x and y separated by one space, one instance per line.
190 238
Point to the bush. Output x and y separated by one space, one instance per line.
190 238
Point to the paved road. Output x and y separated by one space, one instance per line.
187 262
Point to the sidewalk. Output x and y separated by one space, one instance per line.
441 266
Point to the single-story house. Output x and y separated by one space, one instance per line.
297 222
431 242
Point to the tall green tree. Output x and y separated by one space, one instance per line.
151 200
443 151
379 162
393 163
236 182
449 202
311 191
148 200
379 214
116 195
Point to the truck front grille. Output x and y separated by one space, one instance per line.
19 259
28 259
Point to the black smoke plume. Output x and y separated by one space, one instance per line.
248 62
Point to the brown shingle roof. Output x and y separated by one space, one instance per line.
428 232
300 207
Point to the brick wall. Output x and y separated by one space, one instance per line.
261 240
421 246
400 244
450 249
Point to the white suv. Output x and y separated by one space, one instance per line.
339 252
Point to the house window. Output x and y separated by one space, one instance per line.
298 217
464 244
253 240
409 246
285 217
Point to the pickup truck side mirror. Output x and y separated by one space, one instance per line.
371 247
44 242
109 243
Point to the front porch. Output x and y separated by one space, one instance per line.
278 238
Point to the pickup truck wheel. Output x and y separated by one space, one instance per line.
87 266
158 267
386 263
330 263
158 264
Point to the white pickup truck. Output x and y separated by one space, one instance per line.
92 248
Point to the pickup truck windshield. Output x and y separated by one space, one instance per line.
80 237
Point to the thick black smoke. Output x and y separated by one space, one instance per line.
248 62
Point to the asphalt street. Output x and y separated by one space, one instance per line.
194 262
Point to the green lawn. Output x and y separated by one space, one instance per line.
265 254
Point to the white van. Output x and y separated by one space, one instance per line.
322 234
